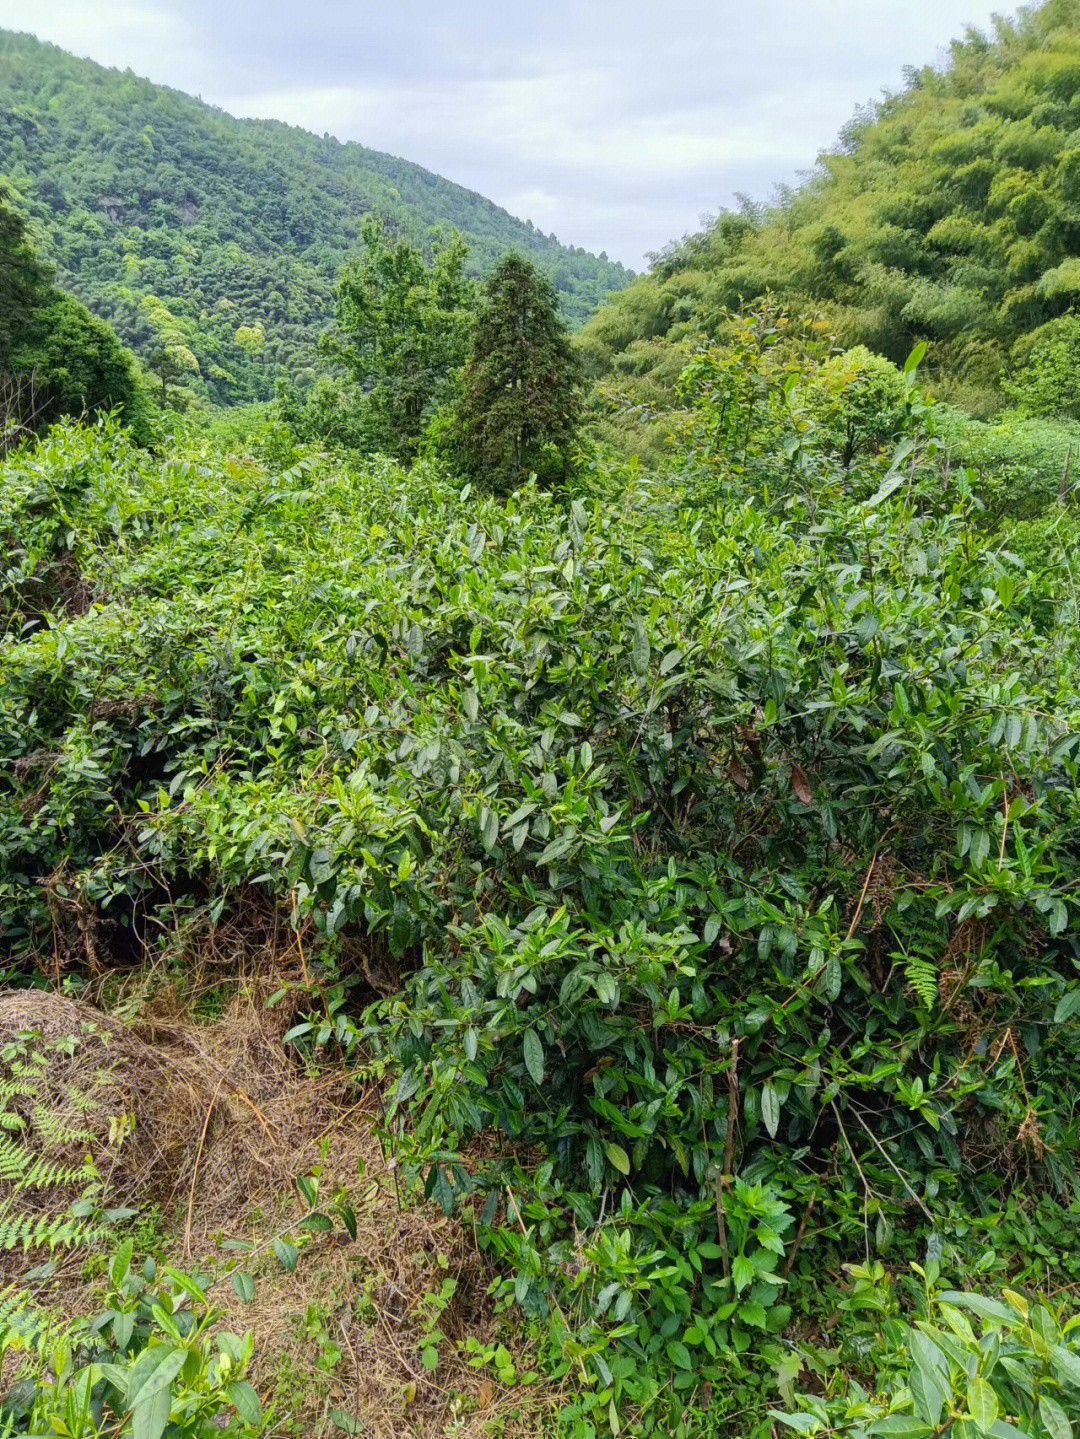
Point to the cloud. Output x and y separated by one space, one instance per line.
614 125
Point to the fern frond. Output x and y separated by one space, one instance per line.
923 978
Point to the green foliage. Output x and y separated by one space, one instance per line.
970 1365
713 834
23 281
402 335
80 366
151 1362
859 399
55 357
139 191
518 411
1024 466
47 1197
1048 384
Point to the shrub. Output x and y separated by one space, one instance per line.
970 1366
151 1361
712 842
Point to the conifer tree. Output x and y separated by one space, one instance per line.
519 410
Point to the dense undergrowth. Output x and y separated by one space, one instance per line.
692 857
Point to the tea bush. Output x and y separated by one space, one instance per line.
970 1366
712 838
149 1363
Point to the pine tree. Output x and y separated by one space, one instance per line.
518 413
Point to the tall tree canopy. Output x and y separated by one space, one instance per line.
23 279
949 212
140 190
402 332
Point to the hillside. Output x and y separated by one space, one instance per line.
949 212
164 214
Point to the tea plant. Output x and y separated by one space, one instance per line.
150 1362
971 1366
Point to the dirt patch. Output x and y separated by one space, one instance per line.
212 1122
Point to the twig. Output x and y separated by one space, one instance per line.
300 946
867 1191
898 1172
723 1175
800 1234
391 1163
195 1169
1004 825
356 1366
862 897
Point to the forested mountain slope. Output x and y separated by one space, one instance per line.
949 212
174 220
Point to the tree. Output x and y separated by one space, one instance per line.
519 410
80 366
24 281
402 333
55 357
859 400
170 356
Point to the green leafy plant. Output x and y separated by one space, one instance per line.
150 1362
971 1366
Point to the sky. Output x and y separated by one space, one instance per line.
615 126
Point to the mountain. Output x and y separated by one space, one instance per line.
168 217
948 212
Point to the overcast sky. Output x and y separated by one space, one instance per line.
614 125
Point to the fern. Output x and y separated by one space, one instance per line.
923 978
38 1177
52 1231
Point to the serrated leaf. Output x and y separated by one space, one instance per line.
928 1392
1066 1364
244 1285
742 1271
982 1403
534 1056
640 650
770 1109
286 1253
489 828
1054 1418
121 1263
316 1223
753 1313
150 1417
245 1401
901 1426
618 1157
153 1372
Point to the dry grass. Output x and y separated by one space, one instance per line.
225 1120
